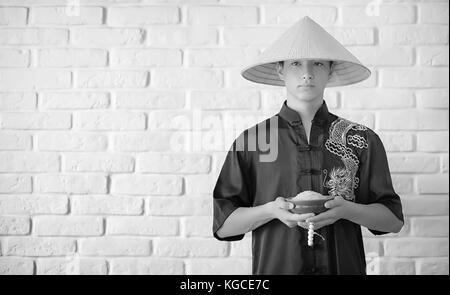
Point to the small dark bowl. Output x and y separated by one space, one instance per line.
309 206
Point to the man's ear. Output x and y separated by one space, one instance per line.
279 66
331 69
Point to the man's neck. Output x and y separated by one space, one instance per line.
306 109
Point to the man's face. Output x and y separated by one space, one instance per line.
297 73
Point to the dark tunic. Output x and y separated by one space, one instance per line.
343 158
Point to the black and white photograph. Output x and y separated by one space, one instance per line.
201 139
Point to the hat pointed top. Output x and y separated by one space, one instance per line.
306 39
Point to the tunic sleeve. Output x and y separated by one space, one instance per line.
231 191
380 183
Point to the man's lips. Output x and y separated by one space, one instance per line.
306 85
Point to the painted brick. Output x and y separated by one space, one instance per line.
426 205
220 57
176 206
71 141
181 36
14 225
150 100
187 78
200 184
381 99
416 247
75 100
378 15
222 15
106 36
142 225
36 204
72 57
15 183
413 163
106 205
34 79
146 185
429 226
391 266
115 120
214 100
432 266
14 58
10 140
78 184
16 266
384 55
27 121
444 164
146 266
149 141
197 226
432 141
436 13
13 16
114 246
242 248
61 16
289 14
413 35
146 57
29 162
123 16
433 56
397 141
402 184
37 246
111 79
250 36
34 36
433 98
71 265
413 119
191 247
420 78
101 162
220 266
67 226
18 100
432 184
174 163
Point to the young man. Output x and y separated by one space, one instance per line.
318 153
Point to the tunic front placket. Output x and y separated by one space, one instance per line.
309 177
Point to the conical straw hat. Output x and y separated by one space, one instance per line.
306 40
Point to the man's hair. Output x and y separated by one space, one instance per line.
331 63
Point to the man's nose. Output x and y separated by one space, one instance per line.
307 76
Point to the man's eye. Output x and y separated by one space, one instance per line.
319 63
295 63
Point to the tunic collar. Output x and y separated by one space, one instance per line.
293 118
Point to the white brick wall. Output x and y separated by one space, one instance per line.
92 107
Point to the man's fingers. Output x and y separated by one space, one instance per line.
306 216
288 205
279 199
320 217
321 224
284 204
301 217
330 204
302 224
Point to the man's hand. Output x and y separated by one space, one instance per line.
279 208
337 210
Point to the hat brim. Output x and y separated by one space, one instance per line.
344 73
